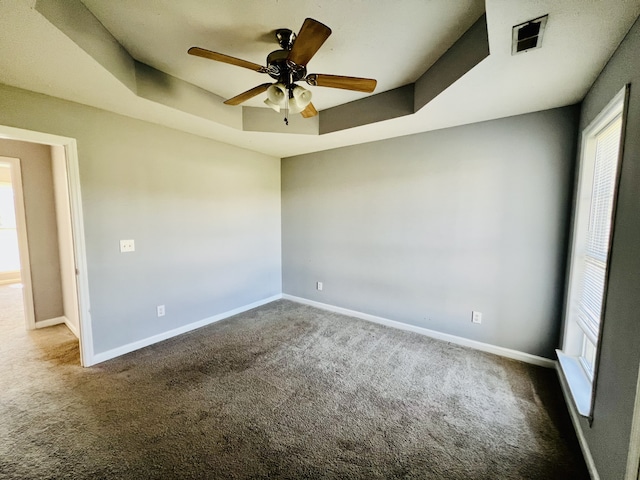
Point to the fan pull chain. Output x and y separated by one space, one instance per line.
286 107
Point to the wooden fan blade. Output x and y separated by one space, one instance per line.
221 57
358 84
309 112
243 97
311 37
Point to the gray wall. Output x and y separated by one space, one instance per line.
42 230
205 217
424 229
609 436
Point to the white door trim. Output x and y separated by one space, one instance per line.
65 238
23 243
77 224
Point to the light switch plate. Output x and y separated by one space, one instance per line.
127 246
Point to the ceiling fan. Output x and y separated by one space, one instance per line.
288 66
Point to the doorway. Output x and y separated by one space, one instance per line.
10 258
11 299
51 248
17 272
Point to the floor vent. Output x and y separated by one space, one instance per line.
528 35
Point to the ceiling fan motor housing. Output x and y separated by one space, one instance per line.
282 70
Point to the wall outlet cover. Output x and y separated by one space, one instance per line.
127 246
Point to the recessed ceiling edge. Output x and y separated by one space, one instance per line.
159 87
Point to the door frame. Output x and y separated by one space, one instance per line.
77 226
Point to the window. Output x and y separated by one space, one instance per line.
597 187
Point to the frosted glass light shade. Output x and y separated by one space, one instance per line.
294 106
302 96
272 105
300 99
277 94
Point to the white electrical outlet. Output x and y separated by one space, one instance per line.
160 310
127 246
319 286
476 317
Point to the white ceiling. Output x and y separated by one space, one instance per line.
394 42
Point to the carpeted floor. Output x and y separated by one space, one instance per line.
283 391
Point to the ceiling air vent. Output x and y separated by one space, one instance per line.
528 35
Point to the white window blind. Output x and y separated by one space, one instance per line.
607 144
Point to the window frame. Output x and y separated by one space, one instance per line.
582 380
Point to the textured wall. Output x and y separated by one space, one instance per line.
205 217
42 230
426 228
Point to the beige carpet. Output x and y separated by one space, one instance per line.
283 391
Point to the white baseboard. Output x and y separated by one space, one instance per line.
485 347
575 419
7 278
72 327
58 321
130 347
51 322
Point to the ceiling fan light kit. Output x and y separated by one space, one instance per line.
295 98
288 66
